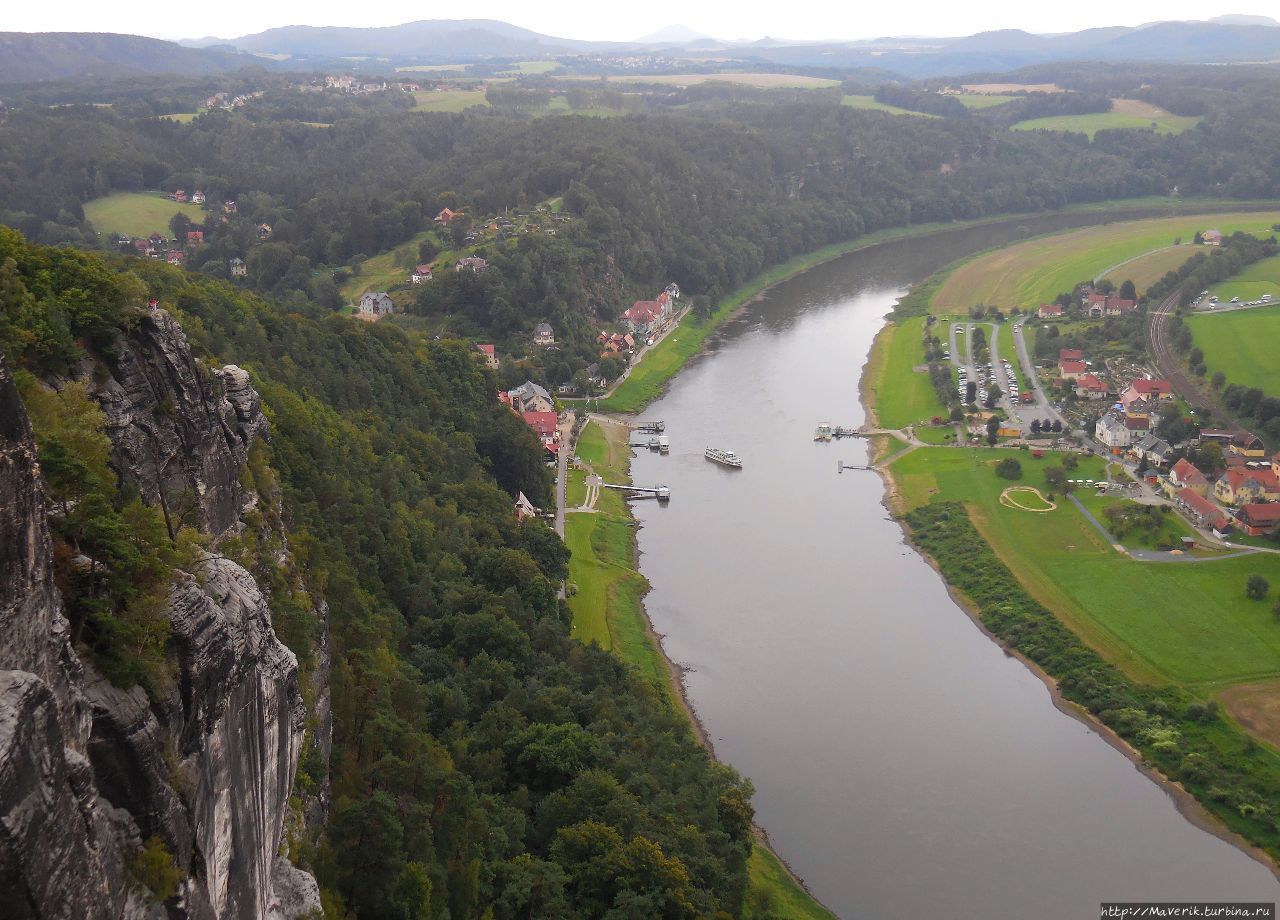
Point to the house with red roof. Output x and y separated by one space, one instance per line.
643 316
445 216
1258 519
490 356
1070 354
180 195
546 425
1050 311
1090 387
1185 475
1142 388
1203 512
194 237
524 507
174 257
420 274
1243 486
1211 237
1070 370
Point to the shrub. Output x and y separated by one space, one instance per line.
1009 468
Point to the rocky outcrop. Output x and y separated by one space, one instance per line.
88 771
179 431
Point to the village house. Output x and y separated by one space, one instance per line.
445 216
1112 432
1050 311
1214 436
420 274
490 356
1247 445
1099 305
180 195
175 257
1259 519
1090 387
1185 475
195 237
141 246
1070 354
546 425
524 507
197 198
643 317
228 207
543 335
673 291
1211 237
528 397
475 263
264 231
1240 486
1152 449
376 303
1144 388
1070 370
1203 512
237 268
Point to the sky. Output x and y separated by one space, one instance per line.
592 19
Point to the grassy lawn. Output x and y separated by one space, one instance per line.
1241 344
1105 121
533 67
1257 279
772 892
180 117
575 488
1035 271
1169 534
449 100
137 213
380 272
870 102
901 395
1185 623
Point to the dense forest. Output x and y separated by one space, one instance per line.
707 195
482 759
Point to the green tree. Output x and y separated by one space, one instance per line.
1256 588
1009 468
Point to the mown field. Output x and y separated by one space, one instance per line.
1257 279
1036 271
1150 267
901 394
870 102
449 100
1186 623
1243 344
1125 113
137 213
974 101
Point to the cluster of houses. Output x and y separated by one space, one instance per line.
1132 419
651 317
1246 495
1094 304
229 101
534 404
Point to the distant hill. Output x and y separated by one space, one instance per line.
1235 19
27 57
428 41
673 35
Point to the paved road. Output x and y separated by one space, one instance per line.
1153 555
1044 409
562 469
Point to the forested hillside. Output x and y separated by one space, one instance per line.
481 759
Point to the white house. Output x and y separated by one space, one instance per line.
376 303
543 335
1112 432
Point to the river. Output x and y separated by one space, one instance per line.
903 764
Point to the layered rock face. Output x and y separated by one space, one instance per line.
88 771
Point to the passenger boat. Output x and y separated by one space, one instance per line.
823 433
723 457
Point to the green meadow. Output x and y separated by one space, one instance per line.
1242 344
1106 121
137 213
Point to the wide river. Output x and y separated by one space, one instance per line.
903 764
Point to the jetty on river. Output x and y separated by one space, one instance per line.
661 493
825 432
651 427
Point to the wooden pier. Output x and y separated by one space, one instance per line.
841 466
651 427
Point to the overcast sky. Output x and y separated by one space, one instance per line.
592 19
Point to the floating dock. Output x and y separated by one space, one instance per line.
651 427
661 493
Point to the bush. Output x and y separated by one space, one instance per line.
1009 468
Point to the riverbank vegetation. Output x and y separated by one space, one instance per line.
1176 732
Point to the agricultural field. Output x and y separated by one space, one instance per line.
1005 88
523 68
137 213
1125 113
759 80
449 100
180 117
1034 272
981 101
1164 622
901 394
870 102
1146 269
1241 344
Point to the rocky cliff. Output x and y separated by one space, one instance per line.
206 765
